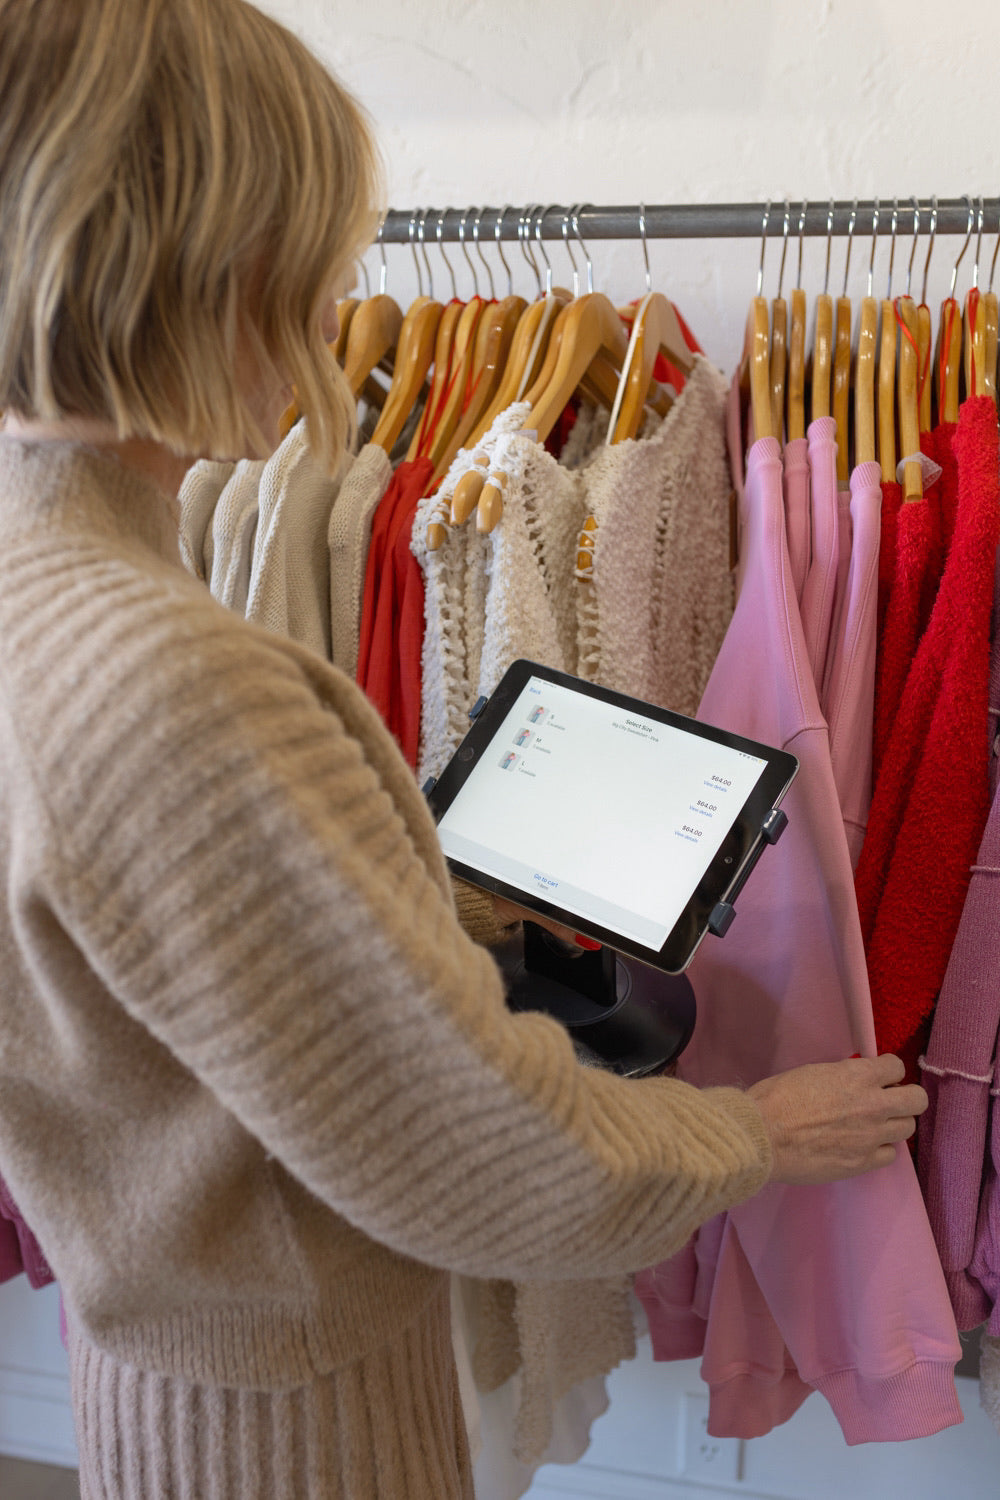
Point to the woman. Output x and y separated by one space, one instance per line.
259 1091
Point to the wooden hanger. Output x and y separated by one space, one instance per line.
795 419
374 333
822 360
909 417
586 326
992 329
842 364
949 352
974 326
864 383
494 337
655 330
414 353
346 309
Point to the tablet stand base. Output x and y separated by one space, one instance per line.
621 1014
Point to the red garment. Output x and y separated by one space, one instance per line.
892 500
932 797
389 651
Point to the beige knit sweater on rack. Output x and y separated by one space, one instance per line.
258 1088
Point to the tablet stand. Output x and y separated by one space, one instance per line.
620 1013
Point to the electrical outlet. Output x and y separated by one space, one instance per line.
702 1456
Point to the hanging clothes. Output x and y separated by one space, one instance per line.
798 517
861 1311
931 798
851 692
819 590
234 531
348 540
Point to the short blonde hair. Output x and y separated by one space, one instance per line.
181 181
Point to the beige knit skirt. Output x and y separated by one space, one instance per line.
389 1427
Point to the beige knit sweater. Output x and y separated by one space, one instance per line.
258 1089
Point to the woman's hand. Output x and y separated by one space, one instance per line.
832 1120
507 912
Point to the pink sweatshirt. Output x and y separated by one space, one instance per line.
819 592
798 520
834 1288
851 678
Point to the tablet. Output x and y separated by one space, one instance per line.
630 824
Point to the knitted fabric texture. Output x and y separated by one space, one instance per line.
348 536
234 531
202 485
253 1071
957 1140
931 798
376 1428
290 580
454 609
692 599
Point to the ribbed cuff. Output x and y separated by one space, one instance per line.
478 916
914 1403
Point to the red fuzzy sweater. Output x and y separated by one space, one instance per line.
932 797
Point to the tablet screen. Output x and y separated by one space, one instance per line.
615 816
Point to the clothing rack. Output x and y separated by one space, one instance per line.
693 221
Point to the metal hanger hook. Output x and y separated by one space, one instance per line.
980 215
440 244
578 210
539 221
461 240
421 229
763 247
572 258
871 258
802 225
645 246
503 259
475 240
916 236
383 275
892 246
850 240
524 235
930 247
784 243
413 247
968 238
829 246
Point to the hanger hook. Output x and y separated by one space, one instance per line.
440 245
980 215
539 221
383 275
916 236
572 258
413 246
784 243
578 210
829 246
763 247
930 247
421 229
972 214
802 225
475 240
503 259
461 240
871 259
645 246
524 235
892 245
850 240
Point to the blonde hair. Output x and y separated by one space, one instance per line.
182 184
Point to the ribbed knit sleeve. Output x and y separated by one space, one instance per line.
246 864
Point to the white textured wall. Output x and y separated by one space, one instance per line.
516 101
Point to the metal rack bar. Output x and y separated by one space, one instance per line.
709 221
